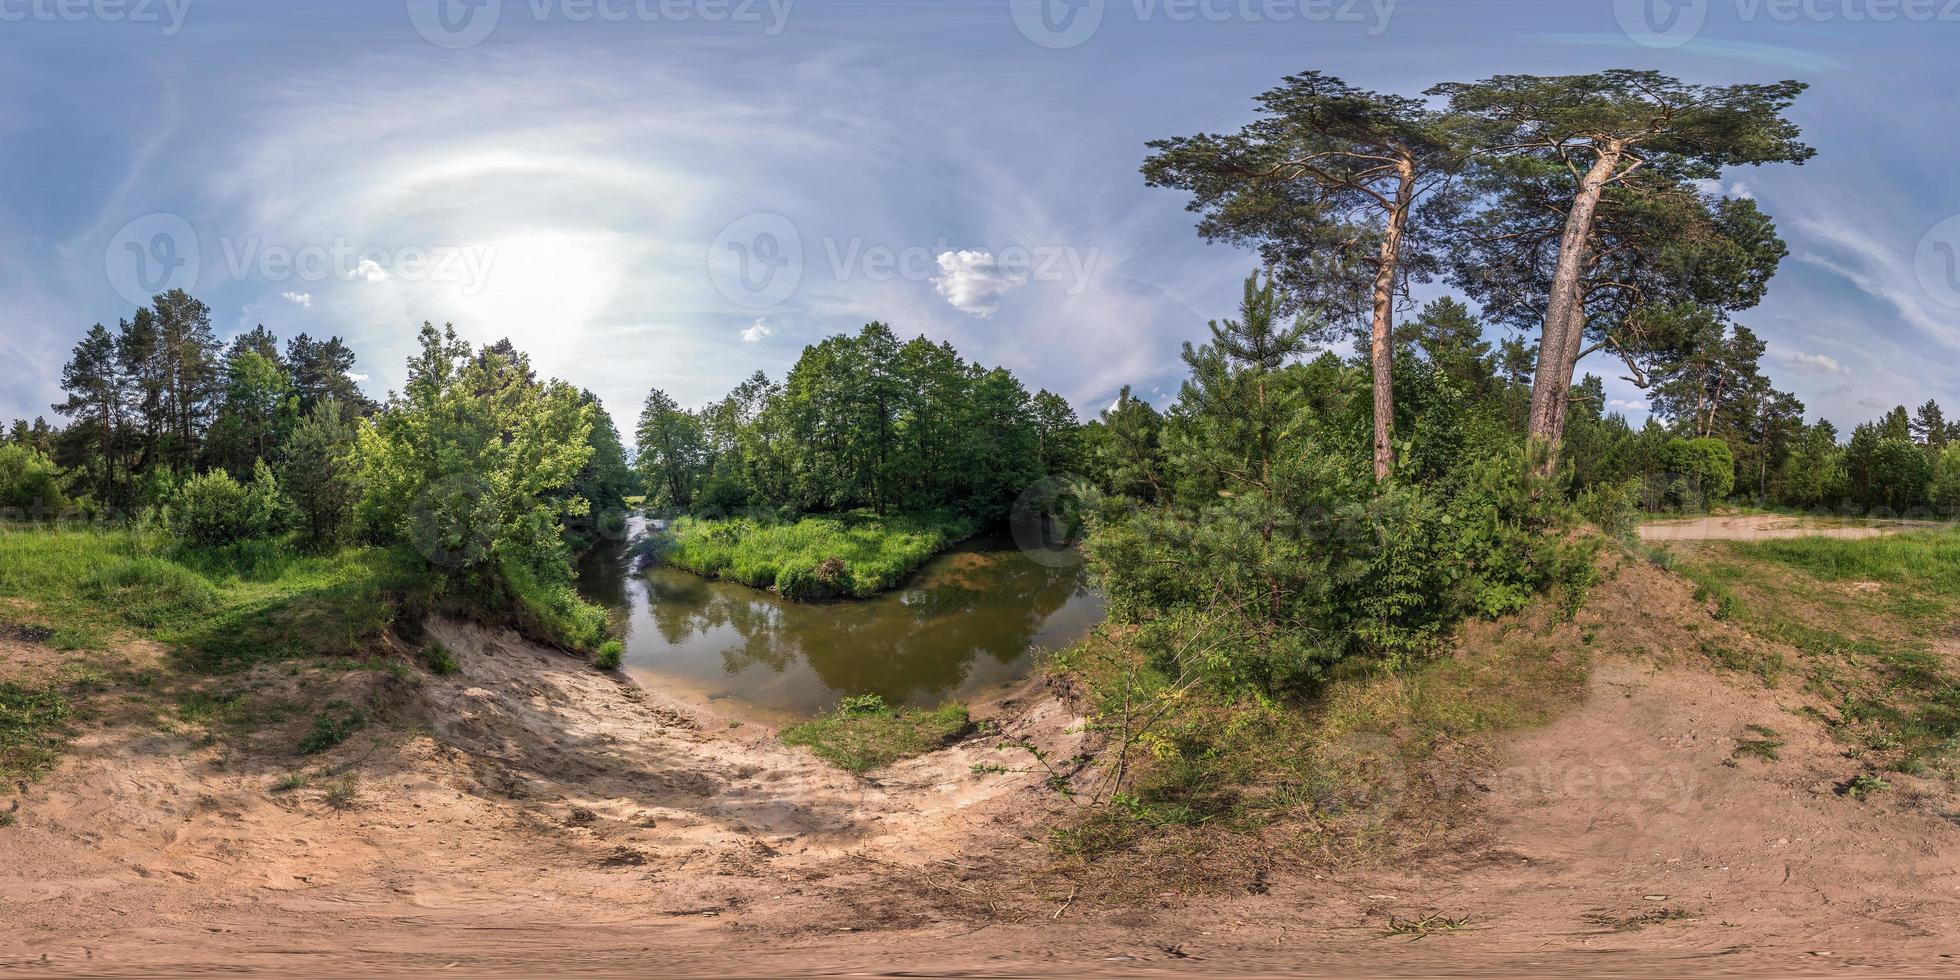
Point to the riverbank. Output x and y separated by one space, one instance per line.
856 554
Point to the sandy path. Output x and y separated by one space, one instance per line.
1760 527
533 815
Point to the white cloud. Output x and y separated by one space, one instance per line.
1814 363
370 270
757 331
972 281
303 299
357 378
1627 405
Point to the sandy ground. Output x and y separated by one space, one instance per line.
1759 527
531 815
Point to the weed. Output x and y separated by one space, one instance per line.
855 554
292 781
1863 785
1763 745
342 792
1425 926
1639 920
864 733
440 660
330 730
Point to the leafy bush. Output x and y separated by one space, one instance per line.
1945 491
440 660
1698 472
214 509
609 655
30 483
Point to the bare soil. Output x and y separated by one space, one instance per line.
530 815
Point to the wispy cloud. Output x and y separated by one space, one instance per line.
1813 363
300 299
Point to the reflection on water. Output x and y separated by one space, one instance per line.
969 621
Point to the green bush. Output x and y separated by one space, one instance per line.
1699 472
215 510
440 660
609 655
330 730
29 482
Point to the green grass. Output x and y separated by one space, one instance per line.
1865 616
31 739
221 608
864 733
856 554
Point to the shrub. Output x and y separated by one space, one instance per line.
440 660
214 509
29 482
609 655
1699 472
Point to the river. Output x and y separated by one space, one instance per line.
968 624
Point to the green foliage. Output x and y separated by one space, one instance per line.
472 464
330 728
213 509
609 655
861 422
855 554
1886 470
30 484
863 733
319 473
440 660
1699 472
1945 488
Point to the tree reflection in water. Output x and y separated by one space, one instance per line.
971 618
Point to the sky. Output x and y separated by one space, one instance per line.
678 193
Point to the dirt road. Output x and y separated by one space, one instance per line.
1760 527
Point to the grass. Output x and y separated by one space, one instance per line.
1865 618
222 609
856 554
863 733
31 738
330 728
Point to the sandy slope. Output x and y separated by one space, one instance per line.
531 815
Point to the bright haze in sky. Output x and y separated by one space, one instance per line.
677 193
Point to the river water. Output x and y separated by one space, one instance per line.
970 623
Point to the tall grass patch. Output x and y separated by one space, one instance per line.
856 554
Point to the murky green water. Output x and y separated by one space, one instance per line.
970 622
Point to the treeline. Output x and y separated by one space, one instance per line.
492 477
865 421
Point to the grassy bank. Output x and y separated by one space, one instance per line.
1860 623
864 733
855 554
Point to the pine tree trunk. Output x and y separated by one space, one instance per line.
1382 328
1557 349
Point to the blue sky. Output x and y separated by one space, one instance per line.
676 193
